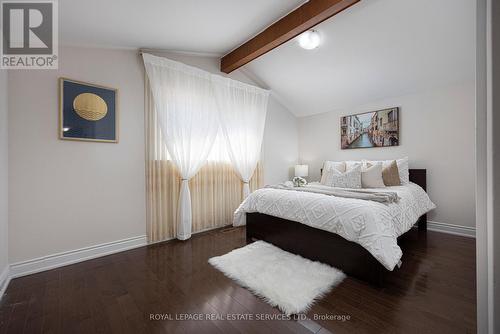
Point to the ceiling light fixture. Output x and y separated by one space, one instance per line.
309 39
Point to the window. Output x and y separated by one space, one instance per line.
218 153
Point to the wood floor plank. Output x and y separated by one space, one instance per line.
123 293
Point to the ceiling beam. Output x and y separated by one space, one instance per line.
301 19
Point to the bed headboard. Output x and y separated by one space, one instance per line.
419 176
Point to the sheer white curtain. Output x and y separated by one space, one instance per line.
185 103
242 115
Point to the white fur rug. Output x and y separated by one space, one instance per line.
282 279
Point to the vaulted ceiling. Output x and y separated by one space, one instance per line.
374 50
206 26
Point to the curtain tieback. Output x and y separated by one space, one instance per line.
246 182
184 179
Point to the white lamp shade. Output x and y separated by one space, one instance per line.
301 170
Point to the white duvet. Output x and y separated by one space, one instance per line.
373 225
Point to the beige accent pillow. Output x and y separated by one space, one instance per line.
403 168
371 176
390 174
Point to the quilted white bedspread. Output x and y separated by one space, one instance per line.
373 225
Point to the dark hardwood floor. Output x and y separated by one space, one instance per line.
435 292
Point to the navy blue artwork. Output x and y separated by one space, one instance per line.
88 112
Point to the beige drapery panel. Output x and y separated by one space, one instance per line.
216 191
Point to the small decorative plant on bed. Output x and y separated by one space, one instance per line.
299 181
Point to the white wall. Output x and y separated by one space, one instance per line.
3 175
66 195
280 147
437 133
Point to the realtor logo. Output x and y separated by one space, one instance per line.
29 35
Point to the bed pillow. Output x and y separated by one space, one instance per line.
348 179
328 165
338 165
403 168
350 164
390 174
371 176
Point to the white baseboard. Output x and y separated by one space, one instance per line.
70 257
4 280
464 231
74 256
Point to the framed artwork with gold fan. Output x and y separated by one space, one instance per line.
87 112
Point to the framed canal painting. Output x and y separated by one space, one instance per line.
87 112
371 129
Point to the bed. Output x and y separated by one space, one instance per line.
369 263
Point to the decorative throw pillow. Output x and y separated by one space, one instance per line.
328 166
338 165
350 164
349 179
390 174
371 176
403 168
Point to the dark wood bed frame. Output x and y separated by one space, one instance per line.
323 246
